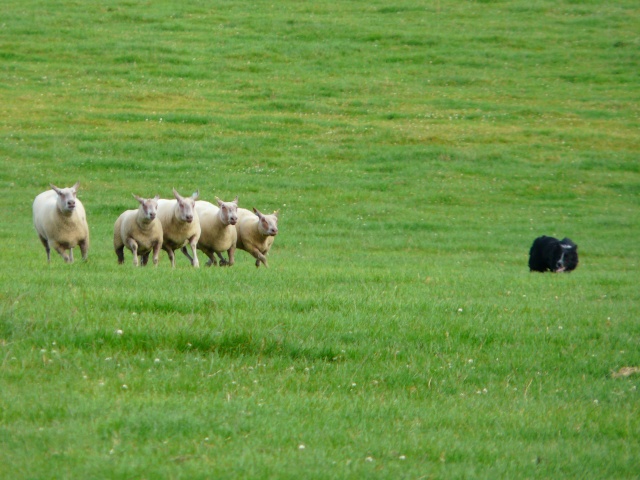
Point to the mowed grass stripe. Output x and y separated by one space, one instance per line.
414 152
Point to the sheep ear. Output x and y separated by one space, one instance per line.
275 213
75 187
137 198
176 194
257 212
196 194
235 200
56 189
220 202
156 198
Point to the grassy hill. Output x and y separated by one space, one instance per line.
414 150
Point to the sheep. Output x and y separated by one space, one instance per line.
218 230
180 226
140 231
256 232
61 222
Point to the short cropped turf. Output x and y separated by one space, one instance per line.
413 150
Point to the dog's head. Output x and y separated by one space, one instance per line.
566 256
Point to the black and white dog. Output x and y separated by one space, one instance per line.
548 253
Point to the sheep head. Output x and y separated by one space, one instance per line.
66 198
228 211
186 206
268 224
148 206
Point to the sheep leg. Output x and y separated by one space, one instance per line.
46 247
63 253
194 243
259 258
186 254
232 255
145 259
71 255
120 254
223 261
84 249
228 263
172 257
133 245
210 253
156 252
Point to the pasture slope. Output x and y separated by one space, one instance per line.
414 151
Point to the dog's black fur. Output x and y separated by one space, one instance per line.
548 253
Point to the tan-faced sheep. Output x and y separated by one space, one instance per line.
256 233
218 231
140 231
61 222
180 226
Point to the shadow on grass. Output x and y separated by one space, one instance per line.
230 344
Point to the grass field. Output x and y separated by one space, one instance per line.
414 151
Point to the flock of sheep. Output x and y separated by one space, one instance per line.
61 222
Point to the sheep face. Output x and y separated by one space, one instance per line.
268 224
66 198
228 211
148 207
186 206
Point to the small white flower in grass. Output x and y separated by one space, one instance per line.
460 310
157 360
301 446
124 387
402 457
369 459
119 332
42 350
471 360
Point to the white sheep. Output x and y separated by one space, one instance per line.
180 226
140 231
256 233
218 231
61 222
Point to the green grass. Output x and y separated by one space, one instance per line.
414 150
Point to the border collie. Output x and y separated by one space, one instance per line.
548 253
